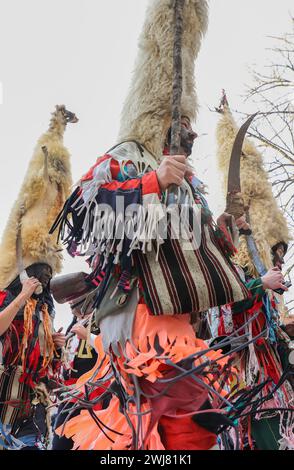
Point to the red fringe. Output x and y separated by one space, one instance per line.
3 295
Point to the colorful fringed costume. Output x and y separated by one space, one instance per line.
159 371
258 364
166 385
271 426
27 250
30 360
80 357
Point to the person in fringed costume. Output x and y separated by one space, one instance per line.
29 257
260 256
149 283
80 357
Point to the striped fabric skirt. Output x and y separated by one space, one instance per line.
189 280
14 397
23 410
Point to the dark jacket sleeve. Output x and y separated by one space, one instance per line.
257 292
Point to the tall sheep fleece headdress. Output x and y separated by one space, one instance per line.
146 114
42 195
269 226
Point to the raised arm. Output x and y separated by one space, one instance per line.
9 312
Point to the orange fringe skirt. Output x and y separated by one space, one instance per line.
158 343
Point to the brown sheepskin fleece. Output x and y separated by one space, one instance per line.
40 200
269 226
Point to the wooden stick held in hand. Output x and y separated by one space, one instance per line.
177 88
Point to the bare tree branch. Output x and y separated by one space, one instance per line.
272 92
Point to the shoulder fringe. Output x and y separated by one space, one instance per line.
95 231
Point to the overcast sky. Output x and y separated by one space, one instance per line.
81 53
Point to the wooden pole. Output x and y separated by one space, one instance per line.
173 189
177 78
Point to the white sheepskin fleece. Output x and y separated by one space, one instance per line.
146 114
